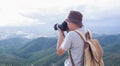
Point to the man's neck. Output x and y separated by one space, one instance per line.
74 28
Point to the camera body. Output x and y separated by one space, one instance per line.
62 26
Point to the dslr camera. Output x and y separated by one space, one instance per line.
62 26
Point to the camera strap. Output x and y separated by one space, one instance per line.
70 55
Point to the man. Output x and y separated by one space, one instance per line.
72 40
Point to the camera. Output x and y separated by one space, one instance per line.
62 26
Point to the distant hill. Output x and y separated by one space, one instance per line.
10 45
107 40
42 51
38 44
13 43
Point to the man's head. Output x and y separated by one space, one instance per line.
74 20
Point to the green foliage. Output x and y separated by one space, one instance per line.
112 60
38 44
42 52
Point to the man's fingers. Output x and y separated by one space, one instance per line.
58 27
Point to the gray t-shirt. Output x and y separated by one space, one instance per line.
74 42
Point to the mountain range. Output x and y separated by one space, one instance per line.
41 51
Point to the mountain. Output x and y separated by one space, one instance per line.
110 45
42 51
112 59
112 48
13 43
8 49
106 40
10 45
41 43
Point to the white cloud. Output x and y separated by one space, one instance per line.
22 33
4 36
25 34
14 18
99 9
11 10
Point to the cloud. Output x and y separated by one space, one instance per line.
4 36
14 18
18 34
25 34
99 9
22 33
97 13
11 10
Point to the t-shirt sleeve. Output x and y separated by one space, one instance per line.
67 42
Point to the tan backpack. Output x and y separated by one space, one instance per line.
93 54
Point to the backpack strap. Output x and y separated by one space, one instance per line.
81 35
69 52
88 35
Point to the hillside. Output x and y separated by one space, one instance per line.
13 43
107 40
39 44
42 52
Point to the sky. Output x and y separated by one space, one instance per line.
37 17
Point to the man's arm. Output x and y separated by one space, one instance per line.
60 51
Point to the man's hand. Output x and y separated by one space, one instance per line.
59 30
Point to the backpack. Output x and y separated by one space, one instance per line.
93 52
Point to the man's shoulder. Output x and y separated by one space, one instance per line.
74 33
71 33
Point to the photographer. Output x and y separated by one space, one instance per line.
72 40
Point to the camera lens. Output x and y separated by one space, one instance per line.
55 27
63 26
